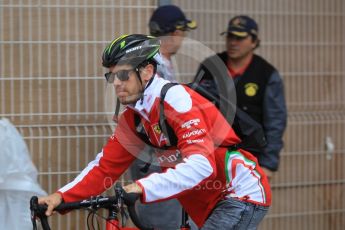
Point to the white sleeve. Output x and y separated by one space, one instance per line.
184 176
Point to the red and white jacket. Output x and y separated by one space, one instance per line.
199 172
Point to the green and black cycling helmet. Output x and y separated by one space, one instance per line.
134 49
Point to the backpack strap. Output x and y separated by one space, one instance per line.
163 123
139 128
117 110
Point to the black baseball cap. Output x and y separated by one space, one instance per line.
168 18
242 26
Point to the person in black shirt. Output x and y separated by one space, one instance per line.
259 87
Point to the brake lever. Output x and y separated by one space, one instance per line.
33 208
38 211
33 220
129 199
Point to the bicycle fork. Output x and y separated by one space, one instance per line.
112 220
184 225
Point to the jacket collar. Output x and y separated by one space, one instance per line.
144 105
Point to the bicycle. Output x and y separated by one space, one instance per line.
113 204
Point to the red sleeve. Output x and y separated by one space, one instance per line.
100 174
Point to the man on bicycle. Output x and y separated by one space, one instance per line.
219 185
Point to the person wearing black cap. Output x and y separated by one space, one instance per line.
169 24
259 87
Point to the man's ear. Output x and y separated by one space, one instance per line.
256 42
174 33
147 72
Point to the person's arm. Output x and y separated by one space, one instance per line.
98 176
101 173
115 158
274 122
193 171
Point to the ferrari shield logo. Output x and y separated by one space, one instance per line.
158 134
157 129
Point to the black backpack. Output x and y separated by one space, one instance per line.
250 131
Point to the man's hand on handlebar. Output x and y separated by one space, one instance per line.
133 188
52 201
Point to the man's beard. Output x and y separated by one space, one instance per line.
130 99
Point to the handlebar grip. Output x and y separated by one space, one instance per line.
135 218
130 199
38 210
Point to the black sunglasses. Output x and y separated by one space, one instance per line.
122 75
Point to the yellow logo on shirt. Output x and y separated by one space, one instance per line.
157 129
251 89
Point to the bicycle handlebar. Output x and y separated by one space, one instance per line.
38 210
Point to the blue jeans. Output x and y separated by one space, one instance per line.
235 215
